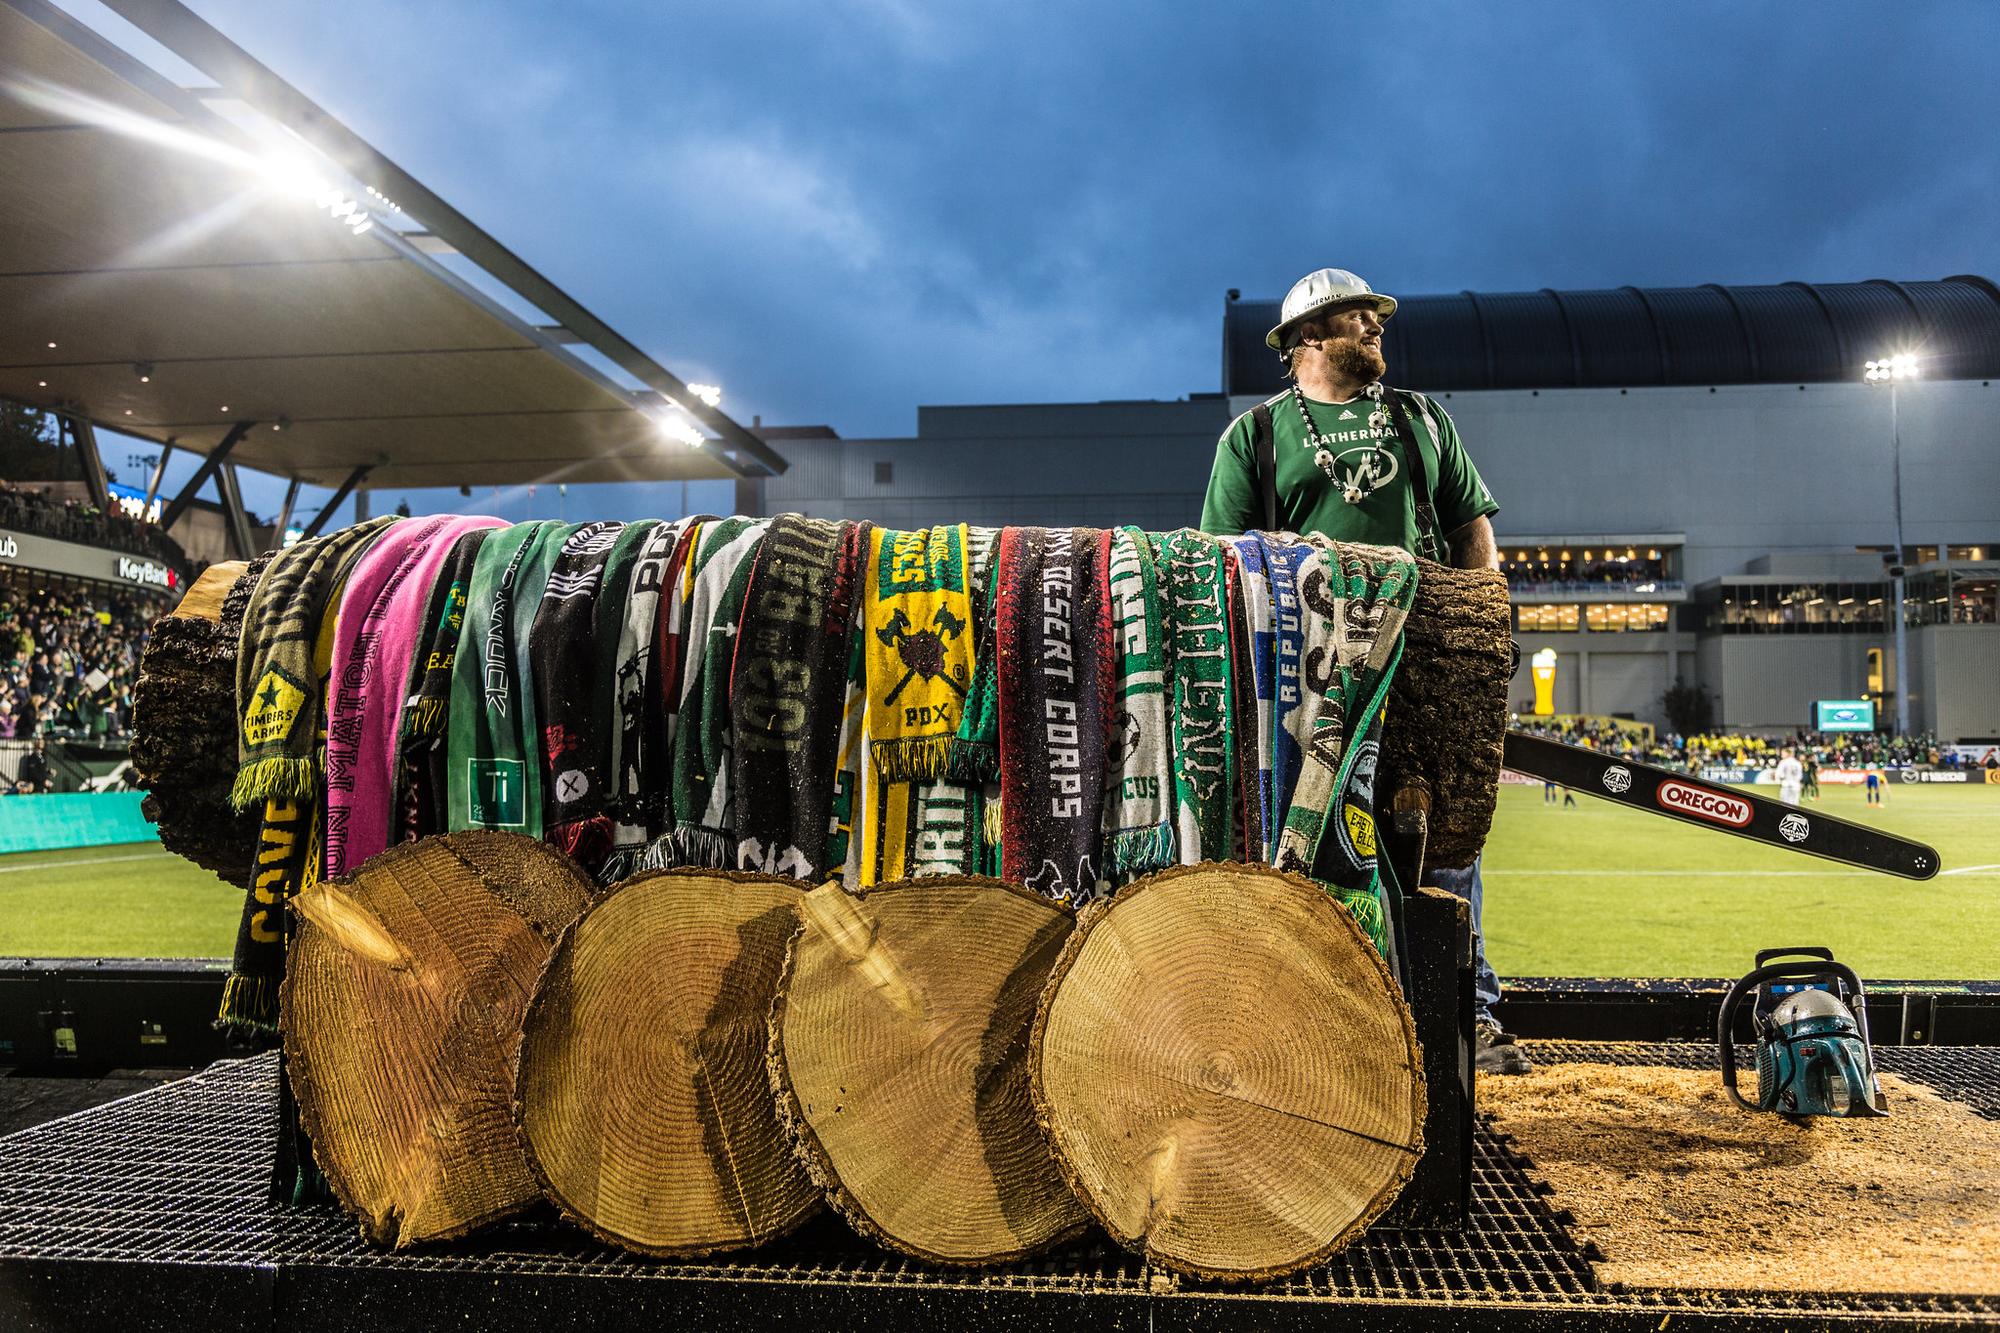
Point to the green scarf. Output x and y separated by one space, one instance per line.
1354 600
1138 811
493 780
1195 575
704 828
278 685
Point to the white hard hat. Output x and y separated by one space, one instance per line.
1321 289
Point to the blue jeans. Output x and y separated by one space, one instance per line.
1485 982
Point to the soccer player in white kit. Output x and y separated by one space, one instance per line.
1791 778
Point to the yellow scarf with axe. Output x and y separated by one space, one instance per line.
917 630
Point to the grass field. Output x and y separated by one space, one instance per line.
1591 891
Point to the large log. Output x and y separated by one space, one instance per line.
184 723
1441 740
1227 1073
642 1095
899 1054
402 1005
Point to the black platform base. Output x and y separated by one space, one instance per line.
151 1213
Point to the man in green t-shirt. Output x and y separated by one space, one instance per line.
1341 444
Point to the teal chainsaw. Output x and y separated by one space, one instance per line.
1813 1056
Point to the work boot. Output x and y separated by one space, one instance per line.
1496 1051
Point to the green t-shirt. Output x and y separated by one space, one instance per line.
1370 460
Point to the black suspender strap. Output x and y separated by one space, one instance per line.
1264 440
1430 543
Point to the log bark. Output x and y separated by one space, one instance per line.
1227 1073
184 723
642 1096
1447 717
402 1006
899 1055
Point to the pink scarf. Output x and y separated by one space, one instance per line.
381 619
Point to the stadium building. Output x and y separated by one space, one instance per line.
1696 484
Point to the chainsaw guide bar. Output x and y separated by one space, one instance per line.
1662 791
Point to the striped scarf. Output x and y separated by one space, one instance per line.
1196 582
1138 810
1267 577
703 816
1355 599
279 687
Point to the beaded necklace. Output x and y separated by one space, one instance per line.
1378 421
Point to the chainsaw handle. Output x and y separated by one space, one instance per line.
1796 969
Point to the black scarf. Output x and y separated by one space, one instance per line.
420 740
1055 686
561 645
786 692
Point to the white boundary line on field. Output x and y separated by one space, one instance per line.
87 861
1739 874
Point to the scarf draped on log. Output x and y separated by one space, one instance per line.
421 803
562 646
1054 639
288 860
720 580
493 780
279 691
917 649
1355 599
1138 807
790 674
1194 576
381 617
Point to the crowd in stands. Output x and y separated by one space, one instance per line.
29 509
1829 749
68 662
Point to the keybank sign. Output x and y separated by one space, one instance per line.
27 550
145 573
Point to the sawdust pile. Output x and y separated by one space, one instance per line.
1680 1187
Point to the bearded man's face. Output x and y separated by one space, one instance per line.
1354 344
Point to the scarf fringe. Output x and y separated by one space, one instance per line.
249 1006
992 822
1140 851
286 777
913 758
972 761
697 845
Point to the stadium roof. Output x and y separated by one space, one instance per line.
238 247
1629 337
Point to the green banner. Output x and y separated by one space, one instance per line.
82 819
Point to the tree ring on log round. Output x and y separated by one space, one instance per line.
401 1015
642 1096
899 1056
1227 1072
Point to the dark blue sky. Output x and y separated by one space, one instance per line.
840 211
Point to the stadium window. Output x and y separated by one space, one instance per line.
1546 619
1625 617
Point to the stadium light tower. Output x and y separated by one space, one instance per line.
1893 370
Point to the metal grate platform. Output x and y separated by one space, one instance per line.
171 1184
